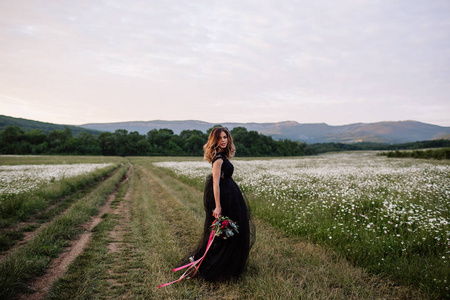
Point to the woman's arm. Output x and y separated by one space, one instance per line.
217 167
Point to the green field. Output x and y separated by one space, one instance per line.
341 226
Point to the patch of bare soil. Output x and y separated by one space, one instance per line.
119 230
59 265
118 237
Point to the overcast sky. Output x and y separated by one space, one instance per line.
337 62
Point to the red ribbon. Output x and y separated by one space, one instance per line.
193 266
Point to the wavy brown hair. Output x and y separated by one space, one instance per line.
211 147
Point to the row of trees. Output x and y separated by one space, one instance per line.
15 140
443 153
336 147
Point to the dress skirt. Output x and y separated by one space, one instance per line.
227 257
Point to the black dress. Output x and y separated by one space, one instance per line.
227 257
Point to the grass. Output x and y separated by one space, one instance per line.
21 206
135 249
411 253
41 205
56 159
34 257
389 216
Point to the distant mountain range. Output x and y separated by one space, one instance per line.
28 125
380 132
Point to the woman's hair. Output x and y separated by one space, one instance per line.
211 147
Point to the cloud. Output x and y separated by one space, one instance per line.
321 61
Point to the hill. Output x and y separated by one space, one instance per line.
28 125
380 132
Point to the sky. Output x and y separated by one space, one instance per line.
334 62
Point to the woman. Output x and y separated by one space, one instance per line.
222 197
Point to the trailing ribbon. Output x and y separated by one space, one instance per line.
193 266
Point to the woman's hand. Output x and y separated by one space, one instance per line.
217 212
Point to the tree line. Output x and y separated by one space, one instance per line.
157 142
15 140
443 153
312 149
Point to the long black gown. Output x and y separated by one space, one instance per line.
227 257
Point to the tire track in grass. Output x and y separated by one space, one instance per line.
20 268
59 265
92 273
58 202
41 226
119 245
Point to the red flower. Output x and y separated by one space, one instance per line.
224 227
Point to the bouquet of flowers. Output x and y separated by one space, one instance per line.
224 227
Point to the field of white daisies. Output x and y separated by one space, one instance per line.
388 215
37 186
16 179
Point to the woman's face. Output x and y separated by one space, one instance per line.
223 140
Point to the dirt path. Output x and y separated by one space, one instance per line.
59 265
28 235
119 242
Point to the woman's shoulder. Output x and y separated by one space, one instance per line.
218 156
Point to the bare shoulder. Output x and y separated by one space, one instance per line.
218 158
218 161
